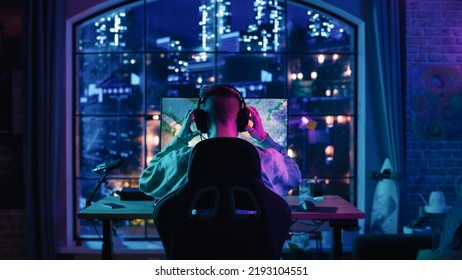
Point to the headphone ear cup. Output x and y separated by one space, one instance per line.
200 117
242 119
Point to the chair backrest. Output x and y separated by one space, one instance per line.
224 210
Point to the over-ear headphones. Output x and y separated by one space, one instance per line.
200 116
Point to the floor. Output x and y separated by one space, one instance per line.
314 246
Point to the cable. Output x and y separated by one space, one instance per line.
92 222
316 223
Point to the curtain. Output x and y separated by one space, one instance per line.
384 29
44 37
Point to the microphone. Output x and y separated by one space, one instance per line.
108 166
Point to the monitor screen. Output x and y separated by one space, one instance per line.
273 112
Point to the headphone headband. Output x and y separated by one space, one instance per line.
207 91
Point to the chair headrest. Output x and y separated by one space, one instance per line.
229 160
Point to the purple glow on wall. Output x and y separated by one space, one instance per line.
436 102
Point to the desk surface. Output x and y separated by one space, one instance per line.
133 209
142 209
332 207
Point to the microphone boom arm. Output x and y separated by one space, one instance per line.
103 170
101 180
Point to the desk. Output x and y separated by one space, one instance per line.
345 215
133 209
339 212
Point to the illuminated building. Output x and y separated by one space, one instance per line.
265 34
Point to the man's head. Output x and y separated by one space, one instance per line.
223 108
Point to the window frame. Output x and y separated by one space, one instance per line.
359 81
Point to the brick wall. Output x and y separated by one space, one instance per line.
12 221
433 100
19 104
12 217
12 234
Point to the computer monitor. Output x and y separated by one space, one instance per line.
273 112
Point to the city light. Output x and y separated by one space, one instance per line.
330 121
314 75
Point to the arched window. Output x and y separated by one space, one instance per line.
139 65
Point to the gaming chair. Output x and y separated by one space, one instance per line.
223 210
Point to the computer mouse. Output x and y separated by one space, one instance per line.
308 205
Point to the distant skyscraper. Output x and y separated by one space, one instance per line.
215 17
168 44
111 31
230 42
265 35
178 70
